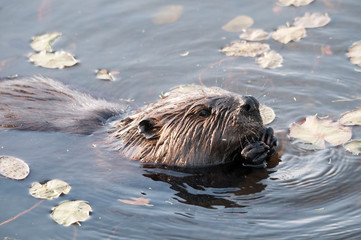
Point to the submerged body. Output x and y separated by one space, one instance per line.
190 126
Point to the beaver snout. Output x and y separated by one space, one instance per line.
250 104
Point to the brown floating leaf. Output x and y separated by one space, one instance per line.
237 24
13 168
267 114
351 118
314 20
315 131
270 59
44 41
136 201
295 3
354 53
254 35
104 74
168 14
326 50
353 146
49 190
59 59
245 49
286 34
70 212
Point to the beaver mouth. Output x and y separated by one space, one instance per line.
248 133
250 130
236 156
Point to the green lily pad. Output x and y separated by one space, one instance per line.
267 114
58 59
43 42
353 146
70 212
13 168
270 59
50 189
354 53
295 3
168 14
316 132
254 35
314 20
287 34
245 49
351 118
238 23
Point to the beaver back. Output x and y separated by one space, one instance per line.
42 104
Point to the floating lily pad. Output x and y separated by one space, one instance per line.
13 168
354 53
245 49
181 89
184 54
136 201
295 3
254 35
267 114
316 132
43 42
286 34
314 20
353 146
186 88
168 14
50 189
70 212
104 74
58 59
351 118
237 24
270 59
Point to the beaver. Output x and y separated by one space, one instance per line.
192 126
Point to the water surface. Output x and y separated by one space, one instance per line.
301 195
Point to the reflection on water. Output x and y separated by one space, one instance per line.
210 187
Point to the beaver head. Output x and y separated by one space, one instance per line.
190 126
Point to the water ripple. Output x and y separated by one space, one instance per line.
318 176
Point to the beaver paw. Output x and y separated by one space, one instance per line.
270 140
255 154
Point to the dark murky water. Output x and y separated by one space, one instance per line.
299 196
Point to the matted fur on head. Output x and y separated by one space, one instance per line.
190 126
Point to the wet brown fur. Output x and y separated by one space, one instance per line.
190 126
42 104
183 136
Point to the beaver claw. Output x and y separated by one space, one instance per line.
255 154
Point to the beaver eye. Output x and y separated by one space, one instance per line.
205 112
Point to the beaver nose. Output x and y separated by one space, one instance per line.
250 103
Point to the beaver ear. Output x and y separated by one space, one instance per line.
148 127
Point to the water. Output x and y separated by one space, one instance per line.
301 195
